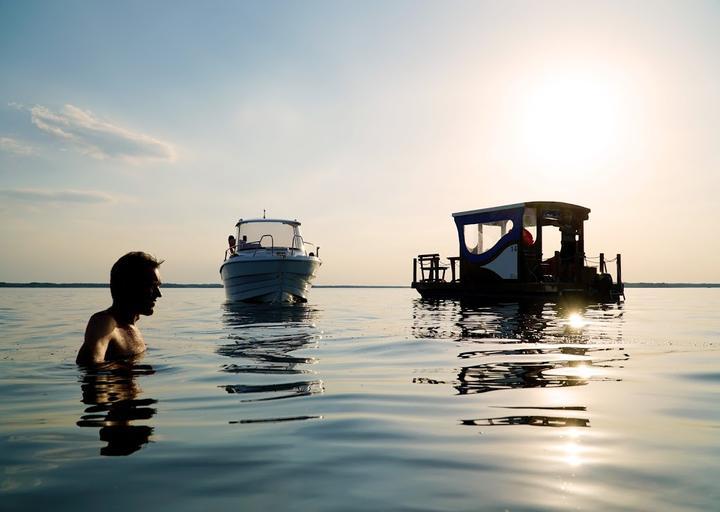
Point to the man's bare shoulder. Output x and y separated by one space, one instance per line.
101 324
98 334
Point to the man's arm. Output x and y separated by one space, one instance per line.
98 334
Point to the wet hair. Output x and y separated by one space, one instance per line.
129 271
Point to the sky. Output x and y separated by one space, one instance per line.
156 125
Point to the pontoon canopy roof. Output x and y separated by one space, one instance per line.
546 205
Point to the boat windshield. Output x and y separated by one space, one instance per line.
268 234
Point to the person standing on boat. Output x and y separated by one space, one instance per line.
112 334
232 246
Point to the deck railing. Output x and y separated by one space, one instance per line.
618 266
258 245
298 244
432 270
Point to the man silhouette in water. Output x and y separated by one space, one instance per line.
112 334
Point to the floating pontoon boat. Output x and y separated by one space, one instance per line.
524 250
269 263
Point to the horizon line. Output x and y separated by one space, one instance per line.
48 284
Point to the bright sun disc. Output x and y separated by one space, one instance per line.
570 120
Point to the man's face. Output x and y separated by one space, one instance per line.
148 292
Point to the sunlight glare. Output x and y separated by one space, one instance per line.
572 432
573 454
570 120
583 371
576 321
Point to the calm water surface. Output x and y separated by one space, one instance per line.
365 399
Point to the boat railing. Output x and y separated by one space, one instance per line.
431 270
272 242
310 249
243 247
618 266
453 266
298 244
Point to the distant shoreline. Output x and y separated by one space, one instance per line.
173 285
218 285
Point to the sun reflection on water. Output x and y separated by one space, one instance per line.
576 321
580 371
573 454
553 356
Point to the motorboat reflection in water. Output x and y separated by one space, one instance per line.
269 262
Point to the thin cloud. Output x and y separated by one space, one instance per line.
10 145
98 138
56 196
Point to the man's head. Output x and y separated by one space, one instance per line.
231 241
135 282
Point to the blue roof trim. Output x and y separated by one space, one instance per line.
514 235
481 217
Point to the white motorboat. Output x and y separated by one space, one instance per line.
269 263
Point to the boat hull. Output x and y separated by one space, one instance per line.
503 290
268 279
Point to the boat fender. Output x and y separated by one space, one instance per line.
527 238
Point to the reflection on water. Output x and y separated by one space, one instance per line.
263 341
485 377
461 319
511 373
283 390
534 420
114 402
519 322
275 420
556 346
533 409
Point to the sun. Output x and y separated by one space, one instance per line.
569 119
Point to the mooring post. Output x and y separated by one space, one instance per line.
619 269
414 270
603 270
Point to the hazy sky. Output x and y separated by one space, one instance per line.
156 125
